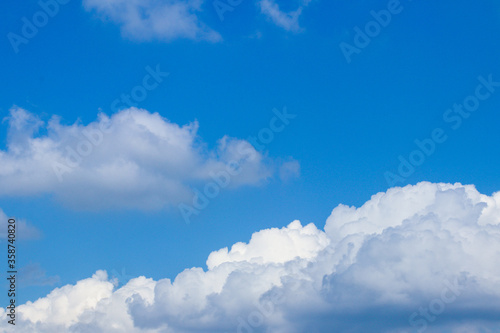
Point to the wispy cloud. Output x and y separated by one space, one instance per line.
286 20
168 20
33 274
152 19
289 170
373 269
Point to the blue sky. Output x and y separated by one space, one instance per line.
354 118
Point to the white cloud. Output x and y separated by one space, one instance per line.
289 170
286 20
155 19
289 243
168 20
370 270
133 159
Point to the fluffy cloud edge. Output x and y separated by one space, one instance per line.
373 269
133 158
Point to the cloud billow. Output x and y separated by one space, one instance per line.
412 259
133 159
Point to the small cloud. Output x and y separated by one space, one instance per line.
289 170
286 20
149 19
256 35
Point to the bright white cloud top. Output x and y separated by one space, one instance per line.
418 258
133 159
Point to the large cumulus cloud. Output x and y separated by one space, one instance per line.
133 159
412 259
